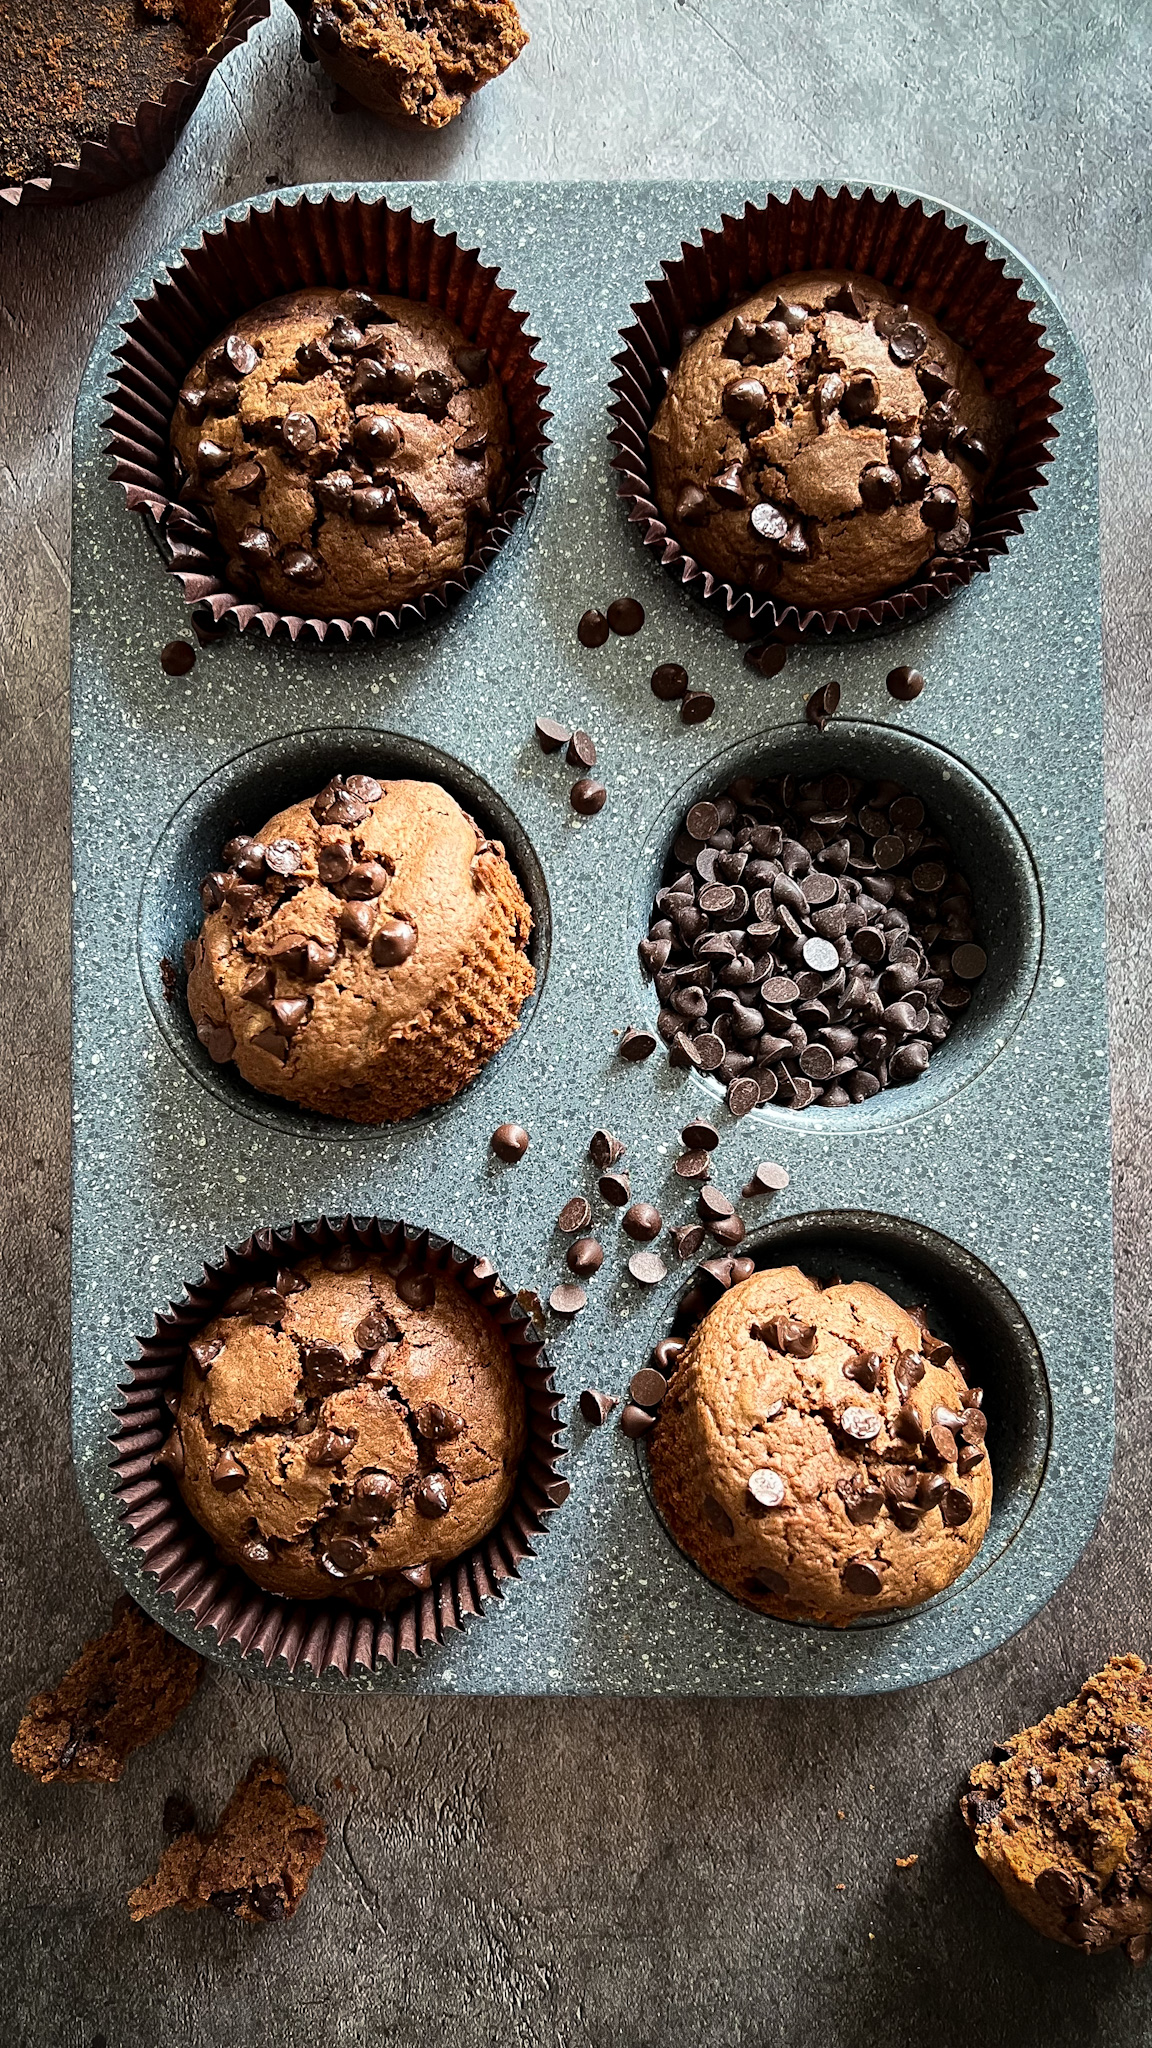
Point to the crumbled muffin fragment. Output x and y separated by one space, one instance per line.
1061 1815
256 1864
125 1688
413 60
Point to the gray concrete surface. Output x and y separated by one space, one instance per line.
559 1872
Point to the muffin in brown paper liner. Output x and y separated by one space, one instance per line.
258 253
909 247
130 150
327 1634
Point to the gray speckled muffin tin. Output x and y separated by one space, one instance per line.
983 1190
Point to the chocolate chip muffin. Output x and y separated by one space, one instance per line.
824 443
350 1429
1062 1815
364 955
819 1453
348 448
412 63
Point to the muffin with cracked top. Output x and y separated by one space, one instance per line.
824 442
819 1453
349 449
351 1428
365 955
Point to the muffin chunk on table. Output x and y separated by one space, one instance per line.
349 448
819 1453
412 63
365 955
824 442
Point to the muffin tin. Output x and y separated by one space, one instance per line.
982 1190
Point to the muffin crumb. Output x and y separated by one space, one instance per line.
413 60
256 1864
126 1687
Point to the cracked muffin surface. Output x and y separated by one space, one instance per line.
349 1429
1061 1815
349 449
365 955
824 442
819 1453
413 60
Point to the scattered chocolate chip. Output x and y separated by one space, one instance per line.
581 751
696 707
575 1215
648 1387
585 1257
509 1142
604 1149
822 705
688 1238
743 1095
177 657
625 615
648 1268
969 962
669 681
567 1300
596 1407
636 1045
551 736
767 1179
587 796
692 1166
592 629
636 1422
642 1222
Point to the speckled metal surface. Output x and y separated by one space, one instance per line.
1002 1152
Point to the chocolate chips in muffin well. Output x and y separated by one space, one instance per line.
351 1420
126 1687
255 1865
409 62
347 448
819 1454
365 955
811 940
1062 1815
823 442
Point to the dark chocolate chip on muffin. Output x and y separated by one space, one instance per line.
349 449
364 955
349 1429
824 443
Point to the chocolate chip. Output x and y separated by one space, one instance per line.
473 365
228 1475
642 1222
905 684
697 707
211 457
596 1407
433 1496
745 401
955 1508
300 565
417 1290
907 343
177 657
768 661
625 615
861 1578
551 736
860 1425
604 1149
956 540
587 796
691 508
692 1166
393 941
765 1487
575 1215
592 629
847 299
768 522
822 705
581 751
669 681
567 1300
688 1238
727 488
743 1095
939 509
879 487
509 1142
636 1422
437 1424
585 1257
767 1179
171 1454
648 1268
969 962
648 1387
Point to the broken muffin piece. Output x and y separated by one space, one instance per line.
1062 1815
125 1688
256 1864
412 60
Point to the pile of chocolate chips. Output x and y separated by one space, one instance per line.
812 942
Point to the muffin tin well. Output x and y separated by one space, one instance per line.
1000 1155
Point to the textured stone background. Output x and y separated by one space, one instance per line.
574 1873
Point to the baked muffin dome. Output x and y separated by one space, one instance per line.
349 448
823 442
348 1427
363 956
819 1454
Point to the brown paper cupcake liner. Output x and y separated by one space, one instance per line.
331 1634
267 249
910 247
136 149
